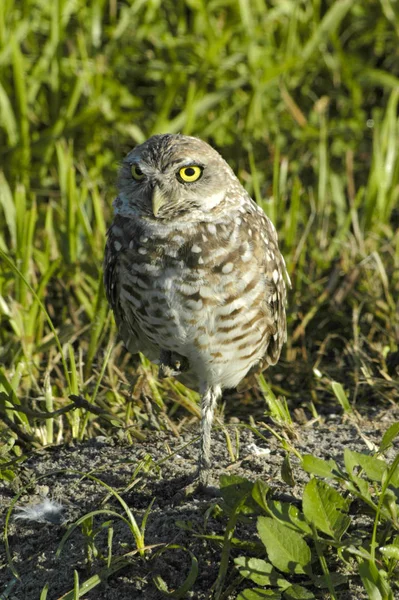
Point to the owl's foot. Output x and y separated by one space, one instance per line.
197 485
166 371
171 364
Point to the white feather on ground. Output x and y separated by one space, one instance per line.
47 511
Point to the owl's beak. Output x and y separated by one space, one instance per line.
158 200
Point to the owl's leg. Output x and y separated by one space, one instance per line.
200 479
208 404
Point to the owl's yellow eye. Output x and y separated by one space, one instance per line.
190 173
136 172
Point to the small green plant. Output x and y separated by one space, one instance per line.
278 408
302 546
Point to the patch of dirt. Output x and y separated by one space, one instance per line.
58 473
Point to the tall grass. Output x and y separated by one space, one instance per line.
300 97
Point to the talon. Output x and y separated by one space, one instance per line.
171 364
166 371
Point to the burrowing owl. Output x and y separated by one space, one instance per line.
193 271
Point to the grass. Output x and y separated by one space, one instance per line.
301 98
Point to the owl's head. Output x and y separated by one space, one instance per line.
173 177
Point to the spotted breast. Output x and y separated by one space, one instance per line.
214 296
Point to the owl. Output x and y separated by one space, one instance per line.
193 271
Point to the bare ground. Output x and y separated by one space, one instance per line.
57 472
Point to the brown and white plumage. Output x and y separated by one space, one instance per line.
193 271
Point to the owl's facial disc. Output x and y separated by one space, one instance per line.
173 177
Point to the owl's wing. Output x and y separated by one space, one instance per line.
127 325
276 276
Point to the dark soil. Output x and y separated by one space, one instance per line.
58 473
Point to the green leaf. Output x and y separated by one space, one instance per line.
180 592
7 117
297 592
341 396
319 466
327 25
44 592
8 206
286 549
259 493
394 480
286 471
373 467
359 485
277 406
259 571
89 584
255 569
289 514
325 508
390 551
376 585
258 594
389 436
233 488
389 501
321 582
7 475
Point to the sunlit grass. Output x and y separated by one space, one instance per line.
302 103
